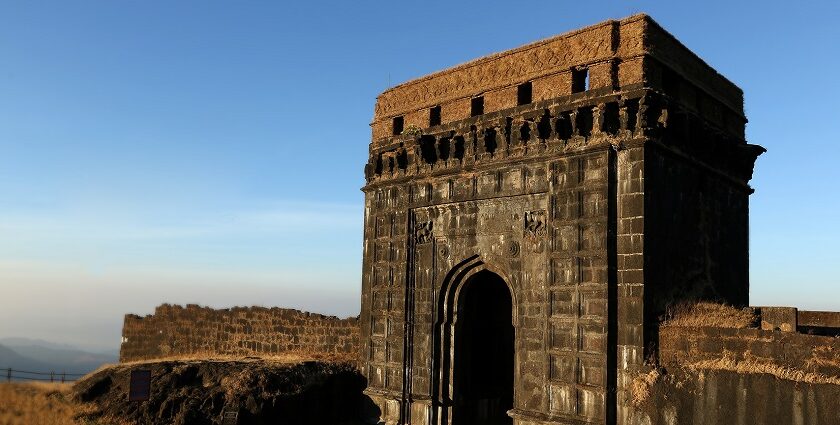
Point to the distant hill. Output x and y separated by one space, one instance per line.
11 358
44 356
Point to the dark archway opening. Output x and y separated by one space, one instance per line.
484 351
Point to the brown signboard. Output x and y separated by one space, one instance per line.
140 385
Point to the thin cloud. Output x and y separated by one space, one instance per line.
280 217
313 216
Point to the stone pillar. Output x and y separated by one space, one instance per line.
630 277
469 145
501 141
598 121
480 147
623 120
642 115
418 157
410 158
517 147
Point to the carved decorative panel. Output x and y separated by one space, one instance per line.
423 232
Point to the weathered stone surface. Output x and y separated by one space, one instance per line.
632 51
596 205
723 397
175 331
681 346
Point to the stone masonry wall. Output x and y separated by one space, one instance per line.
724 346
714 397
713 375
616 53
174 331
557 166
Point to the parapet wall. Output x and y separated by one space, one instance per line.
175 331
787 371
716 397
744 348
631 52
782 337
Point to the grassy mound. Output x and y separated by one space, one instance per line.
200 392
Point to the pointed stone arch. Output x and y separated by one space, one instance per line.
444 338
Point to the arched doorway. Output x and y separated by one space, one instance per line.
484 352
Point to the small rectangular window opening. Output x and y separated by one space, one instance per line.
397 126
477 106
523 94
434 116
580 80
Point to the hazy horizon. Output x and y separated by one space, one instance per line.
212 153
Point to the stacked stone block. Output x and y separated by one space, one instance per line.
754 375
175 331
772 341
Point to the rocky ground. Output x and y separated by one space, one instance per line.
203 392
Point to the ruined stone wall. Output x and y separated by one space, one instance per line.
174 331
756 348
714 397
712 375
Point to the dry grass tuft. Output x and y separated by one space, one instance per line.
40 403
824 356
753 365
706 314
642 386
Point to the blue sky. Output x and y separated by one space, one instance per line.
212 151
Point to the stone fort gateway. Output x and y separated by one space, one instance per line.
530 216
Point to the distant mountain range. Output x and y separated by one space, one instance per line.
43 356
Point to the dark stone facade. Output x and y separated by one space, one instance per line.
597 177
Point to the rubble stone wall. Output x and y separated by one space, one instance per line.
685 346
175 331
711 375
714 397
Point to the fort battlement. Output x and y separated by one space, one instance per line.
620 54
619 82
193 331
